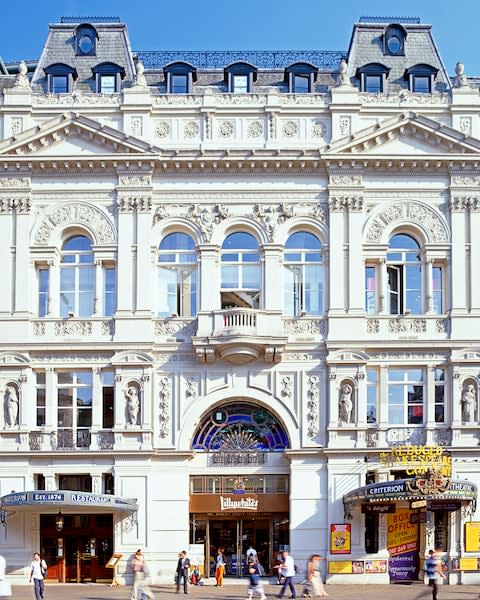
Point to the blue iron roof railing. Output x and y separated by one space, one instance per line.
411 20
263 59
89 19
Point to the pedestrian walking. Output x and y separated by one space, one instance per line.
433 569
38 572
220 567
287 569
5 588
255 586
314 584
183 570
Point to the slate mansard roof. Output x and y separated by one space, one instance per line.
367 46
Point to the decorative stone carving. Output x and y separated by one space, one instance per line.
14 182
471 181
287 387
132 405
164 406
460 79
313 406
135 180
346 180
176 328
318 130
21 80
272 216
19 205
338 203
10 400
226 129
305 326
290 129
76 99
162 130
255 129
206 217
466 125
136 126
76 328
407 326
76 212
408 212
38 328
373 326
140 79
108 327
345 125
191 130
191 389
343 79
17 125
345 403
469 403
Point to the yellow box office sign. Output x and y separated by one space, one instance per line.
472 537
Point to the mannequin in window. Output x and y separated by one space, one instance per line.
469 403
11 405
345 404
133 405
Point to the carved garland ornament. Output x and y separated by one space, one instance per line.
68 214
312 404
164 405
411 212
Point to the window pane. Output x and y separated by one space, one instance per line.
240 84
437 290
179 84
373 83
240 241
251 277
421 84
42 292
110 292
291 303
107 84
167 292
370 290
230 277
59 84
301 84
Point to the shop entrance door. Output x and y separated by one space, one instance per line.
236 536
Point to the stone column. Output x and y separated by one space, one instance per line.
336 267
458 274
6 226
272 275
356 261
23 274
144 291
98 311
209 277
473 275
125 256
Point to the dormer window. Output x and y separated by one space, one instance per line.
240 77
421 78
60 78
180 77
300 78
86 37
373 78
394 40
108 77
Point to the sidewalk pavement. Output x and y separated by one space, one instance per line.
238 591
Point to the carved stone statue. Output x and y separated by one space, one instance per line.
469 403
133 405
343 78
11 406
140 79
21 80
345 404
460 79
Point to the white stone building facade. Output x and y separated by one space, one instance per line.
211 289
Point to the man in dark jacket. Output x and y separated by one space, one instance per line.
183 569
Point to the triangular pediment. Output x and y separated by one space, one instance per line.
73 135
406 134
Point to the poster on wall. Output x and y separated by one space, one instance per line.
376 566
402 543
472 536
340 538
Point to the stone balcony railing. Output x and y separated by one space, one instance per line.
73 328
407 436
70 440
408 327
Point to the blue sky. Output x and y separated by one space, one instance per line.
243 24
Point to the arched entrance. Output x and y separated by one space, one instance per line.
239 502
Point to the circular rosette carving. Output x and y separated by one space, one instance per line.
290 129
226 129
191 130
255 129
162 130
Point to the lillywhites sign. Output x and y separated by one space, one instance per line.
240 504
417 460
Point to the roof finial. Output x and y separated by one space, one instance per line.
460 79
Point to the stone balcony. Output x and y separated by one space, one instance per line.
408 327
240 335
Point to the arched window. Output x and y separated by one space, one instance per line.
237 427
241 274
404 274
77 278
410 281
304 275
177 276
